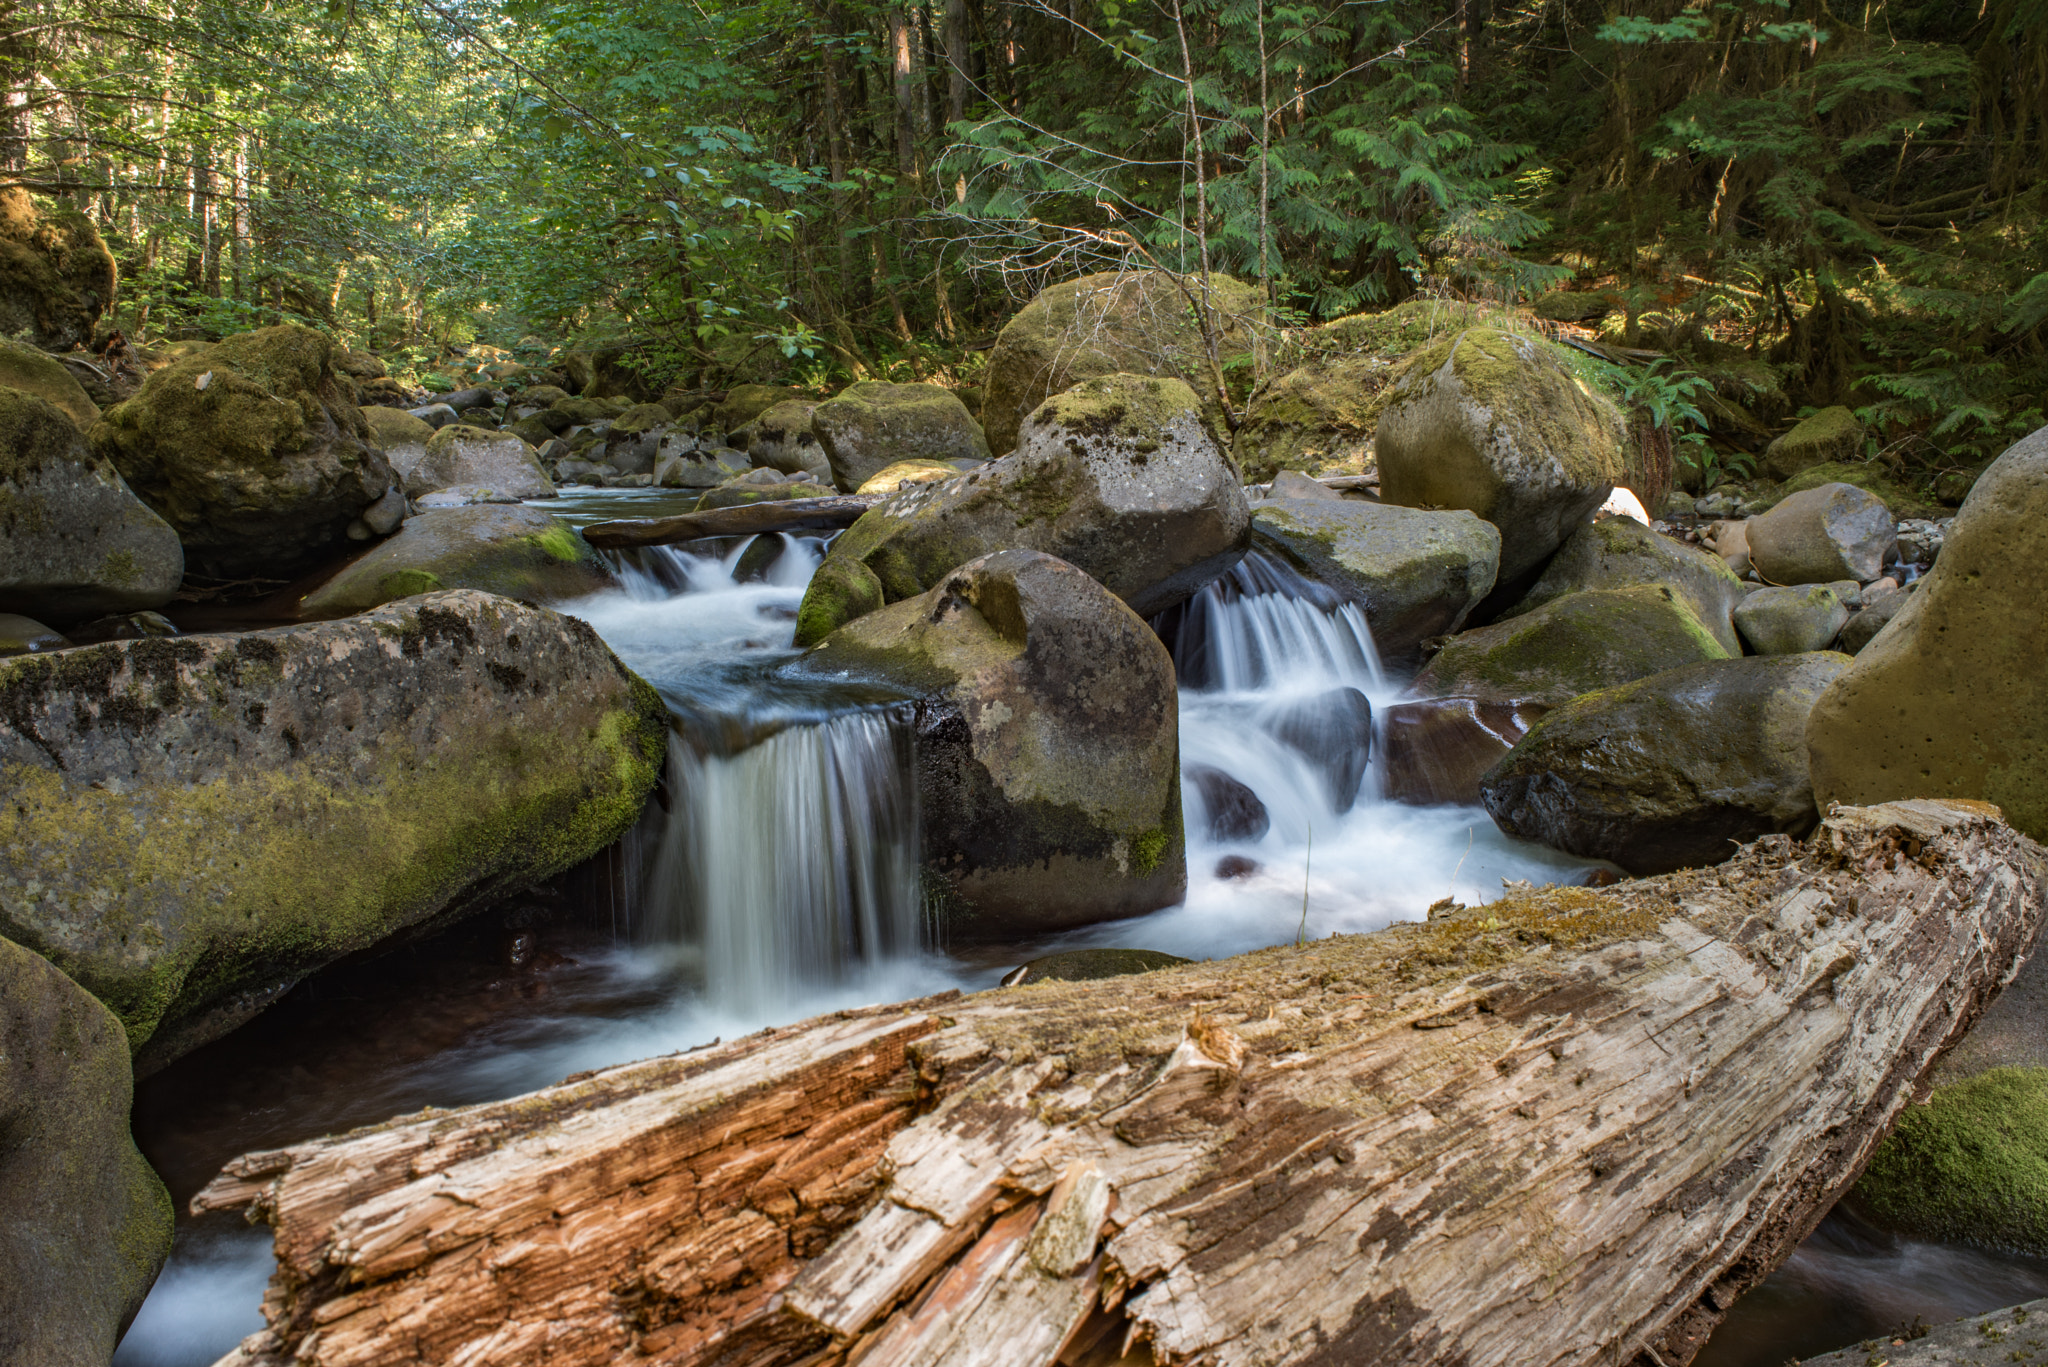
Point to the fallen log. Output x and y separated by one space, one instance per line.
785 515
1567 1127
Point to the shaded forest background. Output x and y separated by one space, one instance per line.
1848 199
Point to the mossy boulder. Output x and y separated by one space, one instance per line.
542 396
1572 645
1415 574
254 451
511 550
1902 499
56 275
871 425
1573 306
1790 620
1090 965
1950 699
745 402
1620 553
35 372
461 455
891 478
1048 743
401 437
1822 536
84 1223
742 490
781 439
1970 1166
1319 415
195 823
1119 476
1672 770
75 543
1494 423
1129 322
1832 434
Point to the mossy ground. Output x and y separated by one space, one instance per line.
1971 1166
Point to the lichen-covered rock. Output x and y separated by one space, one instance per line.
870 426
745 402
1817 537
34 372
1048 743
1119 476
1950 699
75 543
1969 1167
1571 645
781 439
1494 423
1672 770
1620 553
254 451
514 551
56 275
1320 414
1832 434
1414 573
1435 750
1790 620
196 823
461 454
891 478
84 1223
1128 322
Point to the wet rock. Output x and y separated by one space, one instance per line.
1088 965
253 451
1414 573
1436 750
1790 621
1319 415
1832 434
893 478
1834 532
1119 476
1492 422
462 496
2020 1333
1048 743
782 440
870 426
1950 699
515 551
197 823
435 415
21 635
1571 645
84 1223
130 626
30 371
1234 810
1620 553
471 455
1881 603
1235 867
1333 732
1669 771
56 275
762 486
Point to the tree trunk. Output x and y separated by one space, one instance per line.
959 73
1568 1127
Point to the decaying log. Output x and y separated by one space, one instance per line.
785 515
1567 1127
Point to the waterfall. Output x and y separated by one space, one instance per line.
1263 624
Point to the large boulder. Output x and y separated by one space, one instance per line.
1119 476
1790 620
1048 743
1969 1167
1822 535
781 439
35 372
1671 770
74 542
461 454
745 402
514 551
1621 553
84 1223
1317 415
870 426
1571 645
1493 422
1950 699
1832 434
56 275
253 450
195 823
1128 322
1414 573
401 437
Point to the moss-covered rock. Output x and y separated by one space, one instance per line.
740 491
511 550
1572 645
745 402
1971 1166
1832 434
1950 699
74 542
542 396
56 275
196 823
870 426
1573 306
1902 499
1493 422
1620 553
891 478
391 427
782 439
253 451
1415 574
1119 476
1048 743
1133 322
1321 414
1672 770
35 372
1790 620
1822 536
461 455
1090 965
84 1223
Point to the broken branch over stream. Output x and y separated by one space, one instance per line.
1567 1127
780 515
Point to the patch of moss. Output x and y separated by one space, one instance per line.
562 542
1971 1166
406 583
842 589
1148 849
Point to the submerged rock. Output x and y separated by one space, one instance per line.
84 1223
196 823
1090 965
1048 743
1118 476
870 426
21 635
461 454
1790 621
1620 553
1435 750
1233 809
1332 730
1834 532
516 551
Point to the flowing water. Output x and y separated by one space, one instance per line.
775 876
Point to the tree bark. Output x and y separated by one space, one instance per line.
1567 1127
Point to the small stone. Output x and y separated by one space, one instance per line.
358 530
1294 484
1235 812
383 516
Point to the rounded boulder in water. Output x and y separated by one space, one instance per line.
460 455
1233 809
1837 531
1332 731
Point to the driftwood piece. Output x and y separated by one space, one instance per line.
785 515
1567 1127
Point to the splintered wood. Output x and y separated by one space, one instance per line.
1567 1127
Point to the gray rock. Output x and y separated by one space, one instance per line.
435 415
706 470
1836 531
781 439
1332 730
1671 770
1881 603
1919 541
1233 810
2014 1337
470 455
25 636
1294 484
463 400
462 496
1790 621
1848 593
384 516
870 426
518 552
1620 553
1721 504
580 472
